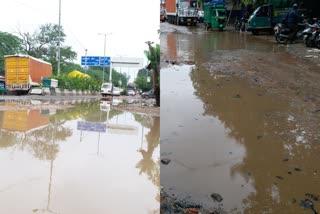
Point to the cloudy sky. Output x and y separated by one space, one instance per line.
129 23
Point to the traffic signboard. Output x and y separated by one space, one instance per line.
95 60
90 60
105 60
91 126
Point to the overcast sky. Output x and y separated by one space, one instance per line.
131 24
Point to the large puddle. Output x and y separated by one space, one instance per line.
87 159
223 136
200 46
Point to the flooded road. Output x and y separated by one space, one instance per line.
87 159
229 137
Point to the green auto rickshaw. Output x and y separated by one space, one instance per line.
215 14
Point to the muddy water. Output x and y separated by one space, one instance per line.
225 136
87 159
184 47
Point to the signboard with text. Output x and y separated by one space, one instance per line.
91 126
95 60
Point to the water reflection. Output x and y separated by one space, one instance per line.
148 164
203 155
262 124
52 169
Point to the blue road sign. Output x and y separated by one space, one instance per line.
90 126
90 61
95 60
105 60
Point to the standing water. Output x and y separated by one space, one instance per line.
87 159
226 137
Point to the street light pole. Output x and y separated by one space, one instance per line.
59 35
104 56
86 67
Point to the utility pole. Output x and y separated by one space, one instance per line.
86 67
59 38
104 56
110 72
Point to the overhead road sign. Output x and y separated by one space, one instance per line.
90 60
95 60
105 60
127 62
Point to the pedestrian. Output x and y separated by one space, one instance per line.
293 20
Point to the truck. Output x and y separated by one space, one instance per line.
22 72
265 17
182 12
163 15
215 14
23 120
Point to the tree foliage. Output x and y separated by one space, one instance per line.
141 79
96 73
9 44
153 55
66 82
43 44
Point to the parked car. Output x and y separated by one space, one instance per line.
200 16
106 89
148 94
131 93
116 91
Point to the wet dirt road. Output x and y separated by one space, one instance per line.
240 120
90 158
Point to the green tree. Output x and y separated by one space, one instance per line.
141 79
153 55
96 73
117 76
70 66
9 44
43 44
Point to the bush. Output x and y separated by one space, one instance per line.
65 82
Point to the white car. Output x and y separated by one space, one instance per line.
106 89
116 91
131 93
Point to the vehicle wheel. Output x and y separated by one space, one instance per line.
147 97
271 31
309 42
237 26
281 40
206 27
317 42
255 32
